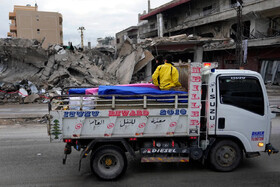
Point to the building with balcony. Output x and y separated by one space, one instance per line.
217 19
29 23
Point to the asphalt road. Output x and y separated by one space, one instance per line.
28 159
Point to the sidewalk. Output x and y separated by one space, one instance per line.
13 111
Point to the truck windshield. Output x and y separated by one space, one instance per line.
243 92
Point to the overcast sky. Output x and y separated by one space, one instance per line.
99 17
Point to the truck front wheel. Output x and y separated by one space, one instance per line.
226 155
108 162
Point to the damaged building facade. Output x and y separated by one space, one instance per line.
217 19
29 23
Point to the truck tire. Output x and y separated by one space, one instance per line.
108 162
225 155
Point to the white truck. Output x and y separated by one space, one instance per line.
226 115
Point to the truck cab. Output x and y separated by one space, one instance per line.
239 108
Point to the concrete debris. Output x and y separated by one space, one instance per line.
31 98
126 49
183 38
8 93
146 58
25 65
124 72
113 67
130 60
100 59
9 87
19 42
55 92
219 44
29 73
109 51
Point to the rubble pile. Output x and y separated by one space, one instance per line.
72 68
20 59
100 59
219 44
10 94
131 59
25 65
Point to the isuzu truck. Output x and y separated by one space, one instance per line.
224 116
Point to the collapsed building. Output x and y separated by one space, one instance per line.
29 73
23 60
215 19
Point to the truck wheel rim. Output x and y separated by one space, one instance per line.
109 164
226 156
108 161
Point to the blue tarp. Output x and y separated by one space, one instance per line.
128 90
81 91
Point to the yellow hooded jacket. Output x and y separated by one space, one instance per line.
166 76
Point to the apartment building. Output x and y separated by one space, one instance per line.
217 19
27 22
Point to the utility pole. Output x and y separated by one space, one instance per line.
239 35
82 36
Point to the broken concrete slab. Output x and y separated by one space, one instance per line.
126 49
148 57
125 71
31 98
94 71
112 69
47 71
51 61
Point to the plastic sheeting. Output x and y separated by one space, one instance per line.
78 91
94 91
129 90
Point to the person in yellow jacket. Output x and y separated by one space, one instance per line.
166 76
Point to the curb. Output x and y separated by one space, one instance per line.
21 116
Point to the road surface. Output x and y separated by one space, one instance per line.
28 159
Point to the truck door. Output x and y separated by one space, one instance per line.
241 110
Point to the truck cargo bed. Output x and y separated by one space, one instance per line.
118 116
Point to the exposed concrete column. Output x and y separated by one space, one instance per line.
148 71
89 45
198 54
160 25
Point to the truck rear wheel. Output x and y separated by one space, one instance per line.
108 162
226 155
